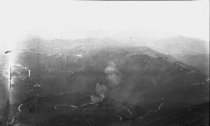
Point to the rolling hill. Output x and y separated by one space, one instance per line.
107 84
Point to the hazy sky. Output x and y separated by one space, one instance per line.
74 19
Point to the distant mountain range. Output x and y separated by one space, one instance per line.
194 52
191 51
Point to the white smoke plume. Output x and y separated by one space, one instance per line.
101 91
113 74
94 99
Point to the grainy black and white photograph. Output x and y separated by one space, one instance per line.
104 63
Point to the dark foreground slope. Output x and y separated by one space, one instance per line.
106 85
